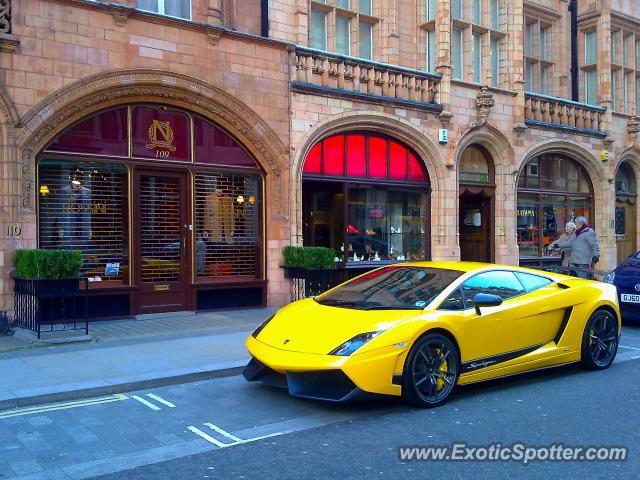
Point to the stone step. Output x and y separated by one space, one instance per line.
158 316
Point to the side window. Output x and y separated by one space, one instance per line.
500 283
532 282
453 302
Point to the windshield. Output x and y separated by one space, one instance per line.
391 288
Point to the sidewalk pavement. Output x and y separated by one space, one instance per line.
126 355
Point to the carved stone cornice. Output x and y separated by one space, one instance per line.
76 101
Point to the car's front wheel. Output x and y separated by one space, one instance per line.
430 371
600 340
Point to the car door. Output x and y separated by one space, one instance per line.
528 317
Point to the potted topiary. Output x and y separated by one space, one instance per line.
44 276
47 273
314 265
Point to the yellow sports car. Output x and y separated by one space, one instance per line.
417 330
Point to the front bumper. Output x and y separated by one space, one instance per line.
326 377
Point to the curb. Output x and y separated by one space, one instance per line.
102 388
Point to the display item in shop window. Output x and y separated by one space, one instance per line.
111 269
219 218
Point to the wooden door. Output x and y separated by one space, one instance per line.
625 223
475 229
161 241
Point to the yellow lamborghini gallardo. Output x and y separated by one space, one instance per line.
417 330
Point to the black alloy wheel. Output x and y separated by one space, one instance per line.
600 340
430 371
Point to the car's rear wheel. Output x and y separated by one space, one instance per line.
430 371
600 340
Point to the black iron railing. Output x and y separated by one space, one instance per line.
49 305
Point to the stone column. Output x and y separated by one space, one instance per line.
514 46
215 14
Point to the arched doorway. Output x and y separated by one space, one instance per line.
165 206
365 195
553 189
625 219
476 204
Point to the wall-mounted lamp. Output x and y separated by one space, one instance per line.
252 199
44 189
240 199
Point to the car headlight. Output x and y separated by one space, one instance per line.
259 328
350 346
609 277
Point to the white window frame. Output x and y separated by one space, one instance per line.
161 10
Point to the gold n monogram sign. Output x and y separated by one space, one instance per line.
161 136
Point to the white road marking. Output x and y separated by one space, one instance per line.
144 402
161 400
223 432
208 438
62 406
236 440
630 348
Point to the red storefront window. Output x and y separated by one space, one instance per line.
313 163
334 155
397 161
415 169
212 145
367 155
160 134
103 134
356 156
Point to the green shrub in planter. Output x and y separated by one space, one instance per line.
312 258
47 264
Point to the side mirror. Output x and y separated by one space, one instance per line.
486 300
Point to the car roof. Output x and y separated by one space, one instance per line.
471 266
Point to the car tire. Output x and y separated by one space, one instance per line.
600 340
426 382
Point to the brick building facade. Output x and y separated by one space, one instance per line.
316 122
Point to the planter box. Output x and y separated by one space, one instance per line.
48 287
51 302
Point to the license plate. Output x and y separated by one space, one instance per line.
631 298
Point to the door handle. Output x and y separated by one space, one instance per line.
184 246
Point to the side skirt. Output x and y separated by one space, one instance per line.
520 373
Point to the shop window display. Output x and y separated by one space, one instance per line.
364 196
552 190
83 206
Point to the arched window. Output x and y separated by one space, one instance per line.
552 190
153 194
474 167
364 195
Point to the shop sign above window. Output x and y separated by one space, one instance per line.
162 134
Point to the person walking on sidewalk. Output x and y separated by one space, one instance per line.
568 235
585 250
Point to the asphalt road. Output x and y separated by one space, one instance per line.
214 429
566 406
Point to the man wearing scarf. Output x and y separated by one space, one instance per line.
585 250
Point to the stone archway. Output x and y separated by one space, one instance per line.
627 237
601 182
81 99
497 146
400 129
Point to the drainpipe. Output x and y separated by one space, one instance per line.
264 20
575 88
